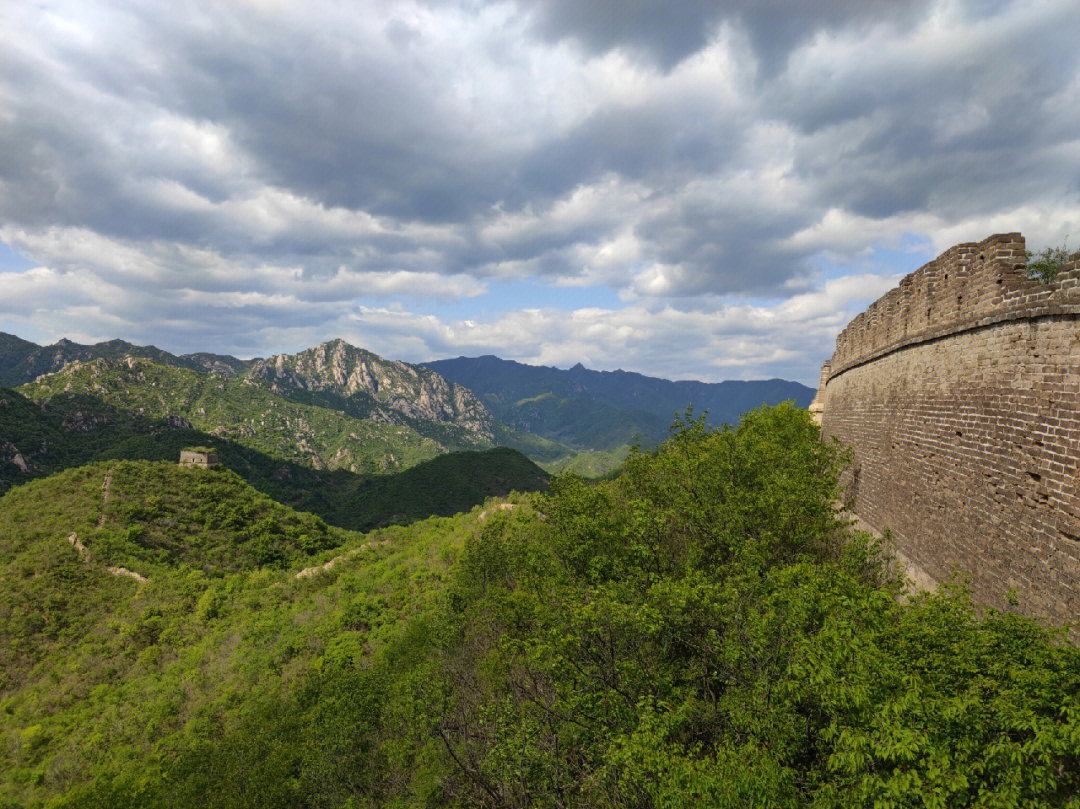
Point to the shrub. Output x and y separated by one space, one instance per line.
1045 266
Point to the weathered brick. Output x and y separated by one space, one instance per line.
958 392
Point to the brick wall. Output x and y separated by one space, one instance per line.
959 392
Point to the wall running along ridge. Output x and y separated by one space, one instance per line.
959 394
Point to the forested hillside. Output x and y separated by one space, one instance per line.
702 630
22 361
146 607
246 414
69 430
339 406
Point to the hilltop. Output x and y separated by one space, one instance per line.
359 383
22 361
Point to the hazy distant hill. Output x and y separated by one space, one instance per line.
603 409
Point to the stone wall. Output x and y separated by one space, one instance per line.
959 392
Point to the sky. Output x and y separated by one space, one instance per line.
692 190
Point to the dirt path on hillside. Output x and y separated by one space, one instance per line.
104 497
84 552
308 572
73 540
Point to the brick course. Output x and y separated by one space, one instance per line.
959 393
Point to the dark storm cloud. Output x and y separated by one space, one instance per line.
668 34
278 161
946 127
664 144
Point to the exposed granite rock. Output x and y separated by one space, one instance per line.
391 388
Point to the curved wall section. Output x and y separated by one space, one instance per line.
959 393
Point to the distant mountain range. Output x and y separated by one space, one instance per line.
339 407
601 410
325 430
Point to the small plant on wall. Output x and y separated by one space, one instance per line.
1044 266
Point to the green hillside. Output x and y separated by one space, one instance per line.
245 413
70 430
22 361
334 376
101 672
441 487
700 631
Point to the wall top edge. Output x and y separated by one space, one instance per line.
966 286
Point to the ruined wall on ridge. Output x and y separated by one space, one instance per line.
959 393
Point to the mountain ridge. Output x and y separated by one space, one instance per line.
43 439
22 361
580 405
361 381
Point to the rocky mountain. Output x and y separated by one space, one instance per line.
241 411
339 406
600 410
22 361
68 430
334 375
338 375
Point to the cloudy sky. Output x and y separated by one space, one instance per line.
697 189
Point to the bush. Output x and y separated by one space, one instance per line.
1045 266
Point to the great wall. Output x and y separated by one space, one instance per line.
959 394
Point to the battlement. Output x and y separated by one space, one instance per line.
959 394
968 286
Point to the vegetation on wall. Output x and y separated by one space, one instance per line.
1045 265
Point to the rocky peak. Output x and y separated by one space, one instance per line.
341 369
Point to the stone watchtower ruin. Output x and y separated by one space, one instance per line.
200 457
959 395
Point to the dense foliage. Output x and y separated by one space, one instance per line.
700 631
104 677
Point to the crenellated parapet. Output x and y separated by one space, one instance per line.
968 286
